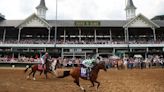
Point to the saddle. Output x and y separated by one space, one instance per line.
40 67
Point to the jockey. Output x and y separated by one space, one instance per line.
88 64
43 59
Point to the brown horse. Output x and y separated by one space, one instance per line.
93 74
35 68
120 64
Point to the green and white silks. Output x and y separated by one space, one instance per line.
88 62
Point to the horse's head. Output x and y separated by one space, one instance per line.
102 65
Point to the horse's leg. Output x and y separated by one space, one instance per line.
53 74
97 83
78 84
29 75
45 73
41 72
34 75
92 83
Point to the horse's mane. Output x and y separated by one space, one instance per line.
97 64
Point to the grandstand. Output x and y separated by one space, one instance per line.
79 38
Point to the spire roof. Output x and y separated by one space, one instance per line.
42 5
130 5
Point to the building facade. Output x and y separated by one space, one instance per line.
80 38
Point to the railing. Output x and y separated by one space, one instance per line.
17 64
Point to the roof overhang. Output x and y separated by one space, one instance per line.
34 21
140 21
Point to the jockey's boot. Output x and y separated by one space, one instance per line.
88 71
88 76
43 67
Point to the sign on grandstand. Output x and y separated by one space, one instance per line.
87 23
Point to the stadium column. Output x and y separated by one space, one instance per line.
4 35
64 35
62 52
19 34
154 33
127 31
110 31
97 51
114 51
49 34
125 34
146 54
95 35
79 35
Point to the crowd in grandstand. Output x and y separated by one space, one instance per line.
76 41
132 62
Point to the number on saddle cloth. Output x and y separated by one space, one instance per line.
40 67
83 72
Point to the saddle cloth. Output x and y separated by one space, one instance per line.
40 67
83 72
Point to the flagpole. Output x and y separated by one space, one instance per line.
125 3
56 23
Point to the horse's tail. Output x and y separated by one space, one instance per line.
27 69
65 74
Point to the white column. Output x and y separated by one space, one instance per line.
147 49
4 35
125 33
64 35
97 51
154 34
18 55
19 33
13 55
62 52
110 35
95 35
79 35
114 50
49 34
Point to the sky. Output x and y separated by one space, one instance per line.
80 9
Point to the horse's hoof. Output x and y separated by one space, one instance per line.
90 86
96 89
27 77
34 78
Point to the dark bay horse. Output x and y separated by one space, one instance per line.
76 74
35 68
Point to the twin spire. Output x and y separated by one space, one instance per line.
130 5
41 9
130 9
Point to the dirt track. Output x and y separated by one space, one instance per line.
152 80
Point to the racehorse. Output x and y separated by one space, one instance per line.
93 74
118 63
48 64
